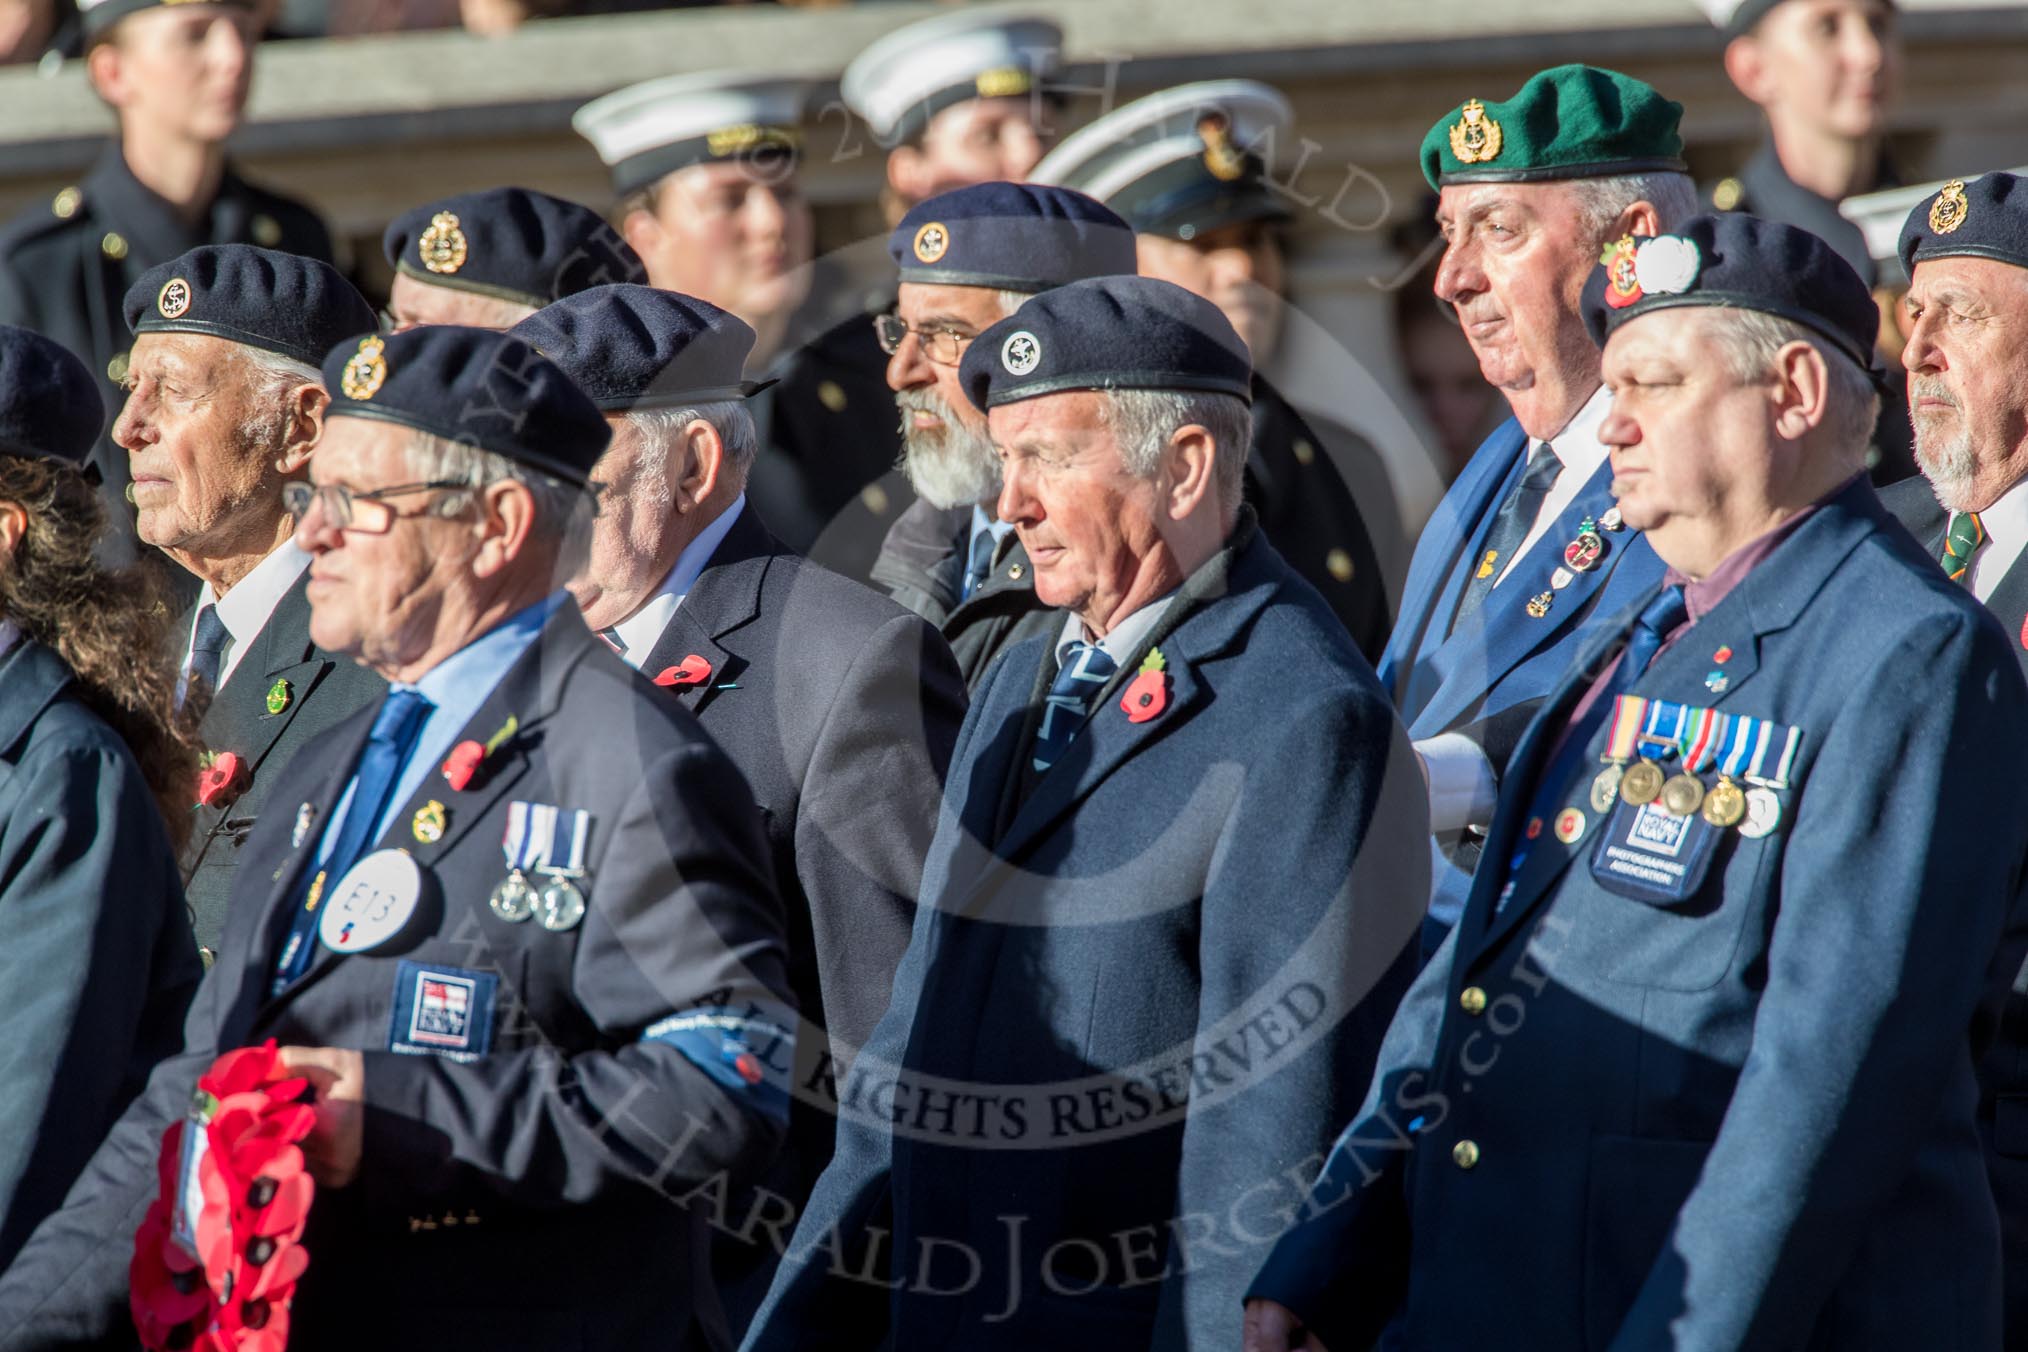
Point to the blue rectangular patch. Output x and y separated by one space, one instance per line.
441 1011
1650 854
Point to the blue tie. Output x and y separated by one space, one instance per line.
387 746
983 545
1655 623
207 654
1085 670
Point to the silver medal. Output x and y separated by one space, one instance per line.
513 900
1763 812
559 906
1605 789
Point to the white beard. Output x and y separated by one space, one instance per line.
950 467
1949 463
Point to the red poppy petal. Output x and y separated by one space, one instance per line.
285 1217
275 1280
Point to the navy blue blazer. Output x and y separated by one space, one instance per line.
1134 998
521 1163
1486 677
96 960
1744 1120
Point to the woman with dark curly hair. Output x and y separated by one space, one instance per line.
97 962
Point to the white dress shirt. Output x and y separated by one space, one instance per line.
1122 640
1581 452
2006 523
244 610
640 630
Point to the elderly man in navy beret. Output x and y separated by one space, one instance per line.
1174 901
224 404
519 933
968 259
1965 248
1696 1068
839 707
490 259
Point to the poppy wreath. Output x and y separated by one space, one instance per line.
234 1296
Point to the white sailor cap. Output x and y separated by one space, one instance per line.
903 80
1182 161
656 127
1736 17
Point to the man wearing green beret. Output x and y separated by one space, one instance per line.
1527 545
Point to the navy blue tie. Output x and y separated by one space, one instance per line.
207 653
387 746
1085 670
1657 620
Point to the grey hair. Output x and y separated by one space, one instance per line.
1142 421
1010 301
563 510
730 418
1751 338
1601 200
273 380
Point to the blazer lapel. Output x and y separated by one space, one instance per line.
1500 634
2009 602
1436 576
725 598
529 693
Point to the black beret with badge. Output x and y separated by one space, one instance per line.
909 76
284 303
1108 333
632 347
1739 262
1010 236
649 130
49 400
1984 218
1181 162
512 243
474 386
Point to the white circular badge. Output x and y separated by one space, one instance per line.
1020 354
371 903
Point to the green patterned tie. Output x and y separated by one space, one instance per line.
1961 542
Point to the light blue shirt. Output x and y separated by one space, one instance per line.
981 522
640 630
455 688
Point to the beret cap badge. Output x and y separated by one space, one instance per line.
173 300
1623 284
1475 138
1667 265
1222 159
367 369
932 241
1003 82
1948 212
443 246
1020 354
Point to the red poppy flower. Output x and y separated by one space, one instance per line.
1147 695
463 764
692 670
220 782
165 1290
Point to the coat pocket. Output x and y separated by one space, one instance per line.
1635 1187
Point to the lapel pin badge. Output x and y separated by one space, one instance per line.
692 670
279 695
430 820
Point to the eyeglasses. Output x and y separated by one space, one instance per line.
355 509
943 345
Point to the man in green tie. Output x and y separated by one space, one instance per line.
1966 250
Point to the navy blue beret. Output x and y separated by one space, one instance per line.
49 401
476 386
1011 236
1108 333
1740 262
280 302
641 347
1985 218
510 243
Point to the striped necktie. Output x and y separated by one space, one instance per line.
1085 670
1962 541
